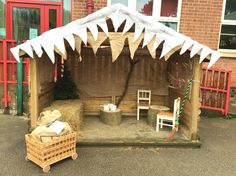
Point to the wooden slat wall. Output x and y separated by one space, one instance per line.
46 79
128 106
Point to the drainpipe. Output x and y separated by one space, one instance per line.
19 86
90 6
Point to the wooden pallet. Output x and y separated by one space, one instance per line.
46 153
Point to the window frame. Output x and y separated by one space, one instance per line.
156 11
226 52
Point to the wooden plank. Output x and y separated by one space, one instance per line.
34 89
195 98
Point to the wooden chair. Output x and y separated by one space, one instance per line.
143 100
164 117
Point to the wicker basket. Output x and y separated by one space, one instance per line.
46 153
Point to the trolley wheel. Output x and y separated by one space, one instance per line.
74 156
26 158
46 169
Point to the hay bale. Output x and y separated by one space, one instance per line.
71 112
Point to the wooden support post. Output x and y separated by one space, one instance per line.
34 86
195 101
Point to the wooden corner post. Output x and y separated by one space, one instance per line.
195 101
34 97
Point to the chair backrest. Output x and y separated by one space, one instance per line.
176 107
144 95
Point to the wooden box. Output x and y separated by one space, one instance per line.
46 153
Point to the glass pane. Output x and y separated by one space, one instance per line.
169 8
124 2
172 25
145 7
230 10
11 72
66 12
228 37
2 19
52 18
26 23
1 71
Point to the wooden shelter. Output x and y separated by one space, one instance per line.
103 47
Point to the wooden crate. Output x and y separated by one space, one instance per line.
46 153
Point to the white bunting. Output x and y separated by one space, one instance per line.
70 39
214 57
82 33
35 43
27 49
195 49
187 44
103 25
148 35
15 53
204 53
128 24
94 30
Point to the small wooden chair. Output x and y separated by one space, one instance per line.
143 100
163 117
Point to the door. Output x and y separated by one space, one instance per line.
25 20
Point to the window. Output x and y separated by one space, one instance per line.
166 11
228 26
2 19
124 2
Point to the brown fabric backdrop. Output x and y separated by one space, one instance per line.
97 76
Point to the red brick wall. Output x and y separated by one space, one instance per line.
201 19
79 7
98 4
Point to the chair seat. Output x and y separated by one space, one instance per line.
167 114
143 107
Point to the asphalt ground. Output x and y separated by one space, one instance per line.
216 157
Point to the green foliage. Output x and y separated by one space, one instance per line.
65 88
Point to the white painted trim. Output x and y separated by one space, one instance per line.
227 53
108 2
132 4
223 11
156 8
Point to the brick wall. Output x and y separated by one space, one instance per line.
79 7
201 19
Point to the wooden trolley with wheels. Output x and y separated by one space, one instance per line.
46 153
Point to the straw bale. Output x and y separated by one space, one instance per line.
71 112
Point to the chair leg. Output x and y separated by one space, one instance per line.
157 124
137 113
161 123
173 124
